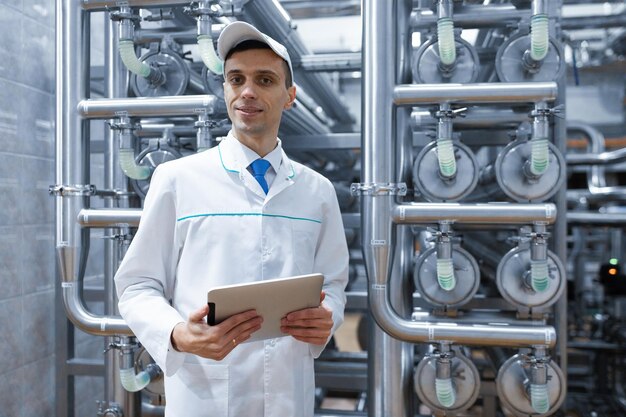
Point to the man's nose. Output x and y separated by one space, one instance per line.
249 90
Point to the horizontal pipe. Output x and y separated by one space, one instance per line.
475 117
147 106
604 158
348 61
473 16
184 36
415 94
596 219
85 320
101 5
463 334
481 213
129 217
112 217
476 318
594 22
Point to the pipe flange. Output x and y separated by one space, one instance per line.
512 390
378 189
174 70
467 282
432 186
426 64
465 377
152 158
511 277
79 190
510 63
511 177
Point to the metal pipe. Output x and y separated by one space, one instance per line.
345 61
113 217
116 85
473 16
595 174
87 321
71 170
101 5
480 213
474 117
463 334
559 240
416 94
378 169
586 218
595 22
604 158
147 106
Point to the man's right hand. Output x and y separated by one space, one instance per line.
214 342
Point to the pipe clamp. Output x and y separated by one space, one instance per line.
378 189
80 190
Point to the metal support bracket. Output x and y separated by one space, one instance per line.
80 190
378 189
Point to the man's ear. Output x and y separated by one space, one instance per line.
291 91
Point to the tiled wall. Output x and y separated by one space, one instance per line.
26 215
27 258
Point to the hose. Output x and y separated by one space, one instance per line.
445 392
130 167
208 55
127 53
539 156
539 36
539 275
445 274
446 157
445 41
134 382
539 398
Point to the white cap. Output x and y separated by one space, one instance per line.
237 32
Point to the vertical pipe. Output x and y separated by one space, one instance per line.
378 168
71 82
117 78
560 231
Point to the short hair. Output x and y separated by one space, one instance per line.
254 44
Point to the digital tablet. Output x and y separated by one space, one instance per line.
272 299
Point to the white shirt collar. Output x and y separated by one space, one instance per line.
247 155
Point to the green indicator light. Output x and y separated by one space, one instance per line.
613 261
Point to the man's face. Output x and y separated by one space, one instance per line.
255 91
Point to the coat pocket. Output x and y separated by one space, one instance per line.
206 386
304 243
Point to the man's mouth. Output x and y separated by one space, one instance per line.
248 110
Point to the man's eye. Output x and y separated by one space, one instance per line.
235 80
265 81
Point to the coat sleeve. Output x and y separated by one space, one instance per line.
145 278
331 258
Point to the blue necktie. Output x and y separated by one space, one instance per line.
259 168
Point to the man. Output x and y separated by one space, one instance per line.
222 217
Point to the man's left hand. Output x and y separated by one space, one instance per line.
311 325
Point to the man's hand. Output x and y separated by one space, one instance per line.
214 342
311 325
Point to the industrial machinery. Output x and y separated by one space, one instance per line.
485 218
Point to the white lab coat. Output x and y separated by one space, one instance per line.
207 222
